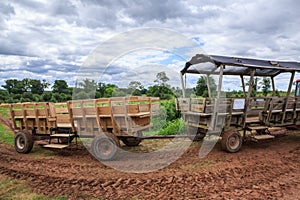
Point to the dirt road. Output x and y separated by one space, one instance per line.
267 170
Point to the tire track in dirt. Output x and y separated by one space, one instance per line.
80 176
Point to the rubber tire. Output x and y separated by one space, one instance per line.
131 141
111 141
231 136
191 134
26 139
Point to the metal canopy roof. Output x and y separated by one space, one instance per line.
209 64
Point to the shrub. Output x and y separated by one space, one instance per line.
175 127
170 108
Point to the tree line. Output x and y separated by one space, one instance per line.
28 90
32 90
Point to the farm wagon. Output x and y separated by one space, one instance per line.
238 119
105 120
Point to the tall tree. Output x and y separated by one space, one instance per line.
100 92
13 86
161 89
26 84
110 89
105 90
266 84
161 78
60 86
201 88
135 88
88 85
37 87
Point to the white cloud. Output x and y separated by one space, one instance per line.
52 39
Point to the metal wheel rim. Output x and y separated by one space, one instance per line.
233 142
105 147
20 142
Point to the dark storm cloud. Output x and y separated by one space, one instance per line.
13 46
111 13
115 70
158 10
41 66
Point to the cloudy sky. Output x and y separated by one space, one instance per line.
52 39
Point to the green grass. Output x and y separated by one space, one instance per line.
6 135
16 190
3 112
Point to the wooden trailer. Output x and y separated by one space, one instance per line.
238 119
106 120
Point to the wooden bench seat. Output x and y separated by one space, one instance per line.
252 120
30 117
19 117
237 113
140 114
197 113
66 125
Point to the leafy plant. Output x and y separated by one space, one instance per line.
174 127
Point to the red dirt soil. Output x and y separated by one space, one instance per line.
264 170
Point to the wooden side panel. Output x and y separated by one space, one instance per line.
183 104
118 110
197 104
133 108
104 110
209 105
61 110
17 113
144 108
90 111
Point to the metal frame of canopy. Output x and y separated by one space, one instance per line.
224 65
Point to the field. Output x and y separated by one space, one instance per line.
265 170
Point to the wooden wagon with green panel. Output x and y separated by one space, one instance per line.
104 120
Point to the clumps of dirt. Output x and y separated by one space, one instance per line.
267 170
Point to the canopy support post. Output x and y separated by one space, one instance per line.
247 100
183 85
243 85
185 80
220 81
273 86
287 97
208 86
215 113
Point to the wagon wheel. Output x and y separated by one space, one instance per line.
105 146
23 142
195 134
131 141
231 141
